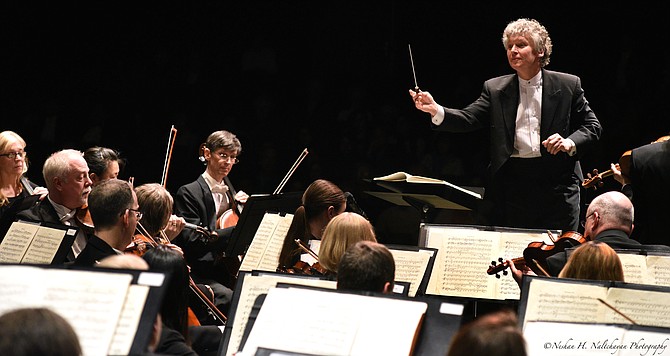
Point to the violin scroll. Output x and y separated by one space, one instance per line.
502 266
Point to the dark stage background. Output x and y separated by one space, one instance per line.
328 76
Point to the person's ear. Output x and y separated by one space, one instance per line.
93 177
388 288
331 212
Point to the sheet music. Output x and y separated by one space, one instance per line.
254 286
123 337
90 301
567 302
17 239
341 324
659 268
462 259
464 256
634 268
410 266
263 252
44 246
643 306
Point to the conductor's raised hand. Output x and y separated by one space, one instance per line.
424 101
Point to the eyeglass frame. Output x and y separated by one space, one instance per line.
138 213
226 158
586 218
13 155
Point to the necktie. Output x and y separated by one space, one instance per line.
220 188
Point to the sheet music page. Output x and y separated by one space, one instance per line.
270 260
645 307
410 266
45 244
463 257
254 286
90 301
645 342
17 239
260 241
658 269
550 300
512 245
341 324
635 268
123 337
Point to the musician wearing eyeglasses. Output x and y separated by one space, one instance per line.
206 202
13 168
115 213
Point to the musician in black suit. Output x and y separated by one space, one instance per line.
206 202
609 219
540 124
115 213
647 184
66 177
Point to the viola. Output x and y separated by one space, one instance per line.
536 253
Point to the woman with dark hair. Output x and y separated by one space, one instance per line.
321 202
103 163
37 331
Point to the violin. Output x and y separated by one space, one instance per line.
536 254
84 220
302 267
595 180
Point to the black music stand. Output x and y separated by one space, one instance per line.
428 197
252 215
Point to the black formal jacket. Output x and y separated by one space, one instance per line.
650 178
195 204
565 111
96 249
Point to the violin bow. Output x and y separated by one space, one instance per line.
168 155
288 175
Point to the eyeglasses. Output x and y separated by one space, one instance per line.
583 223
137 213
226 158
13 155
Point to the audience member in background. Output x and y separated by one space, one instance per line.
37 331
115 213
103 163
366 266
66 176
321 202
342 231
593 260
646 181
13 169
496 333
177 337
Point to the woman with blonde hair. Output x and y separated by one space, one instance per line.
593 260
342 231
13 167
